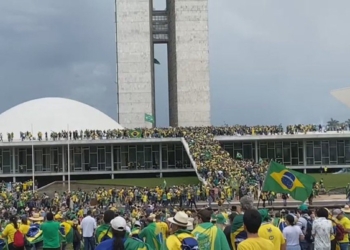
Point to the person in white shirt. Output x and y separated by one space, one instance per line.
88 226
322 229
292 233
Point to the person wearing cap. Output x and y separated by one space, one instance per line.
209 234
345 222
103 231
120 239
238 234
269 232
302 223
252 222
152 233
179 231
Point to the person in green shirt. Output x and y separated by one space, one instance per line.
51 237
103 232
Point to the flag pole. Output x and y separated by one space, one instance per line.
68 158
33 161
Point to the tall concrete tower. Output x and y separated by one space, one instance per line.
183 26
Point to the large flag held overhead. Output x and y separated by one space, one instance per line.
279 179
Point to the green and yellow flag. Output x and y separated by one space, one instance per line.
135 133
279 179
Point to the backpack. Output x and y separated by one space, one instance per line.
308 235
189 243
18 239
339 232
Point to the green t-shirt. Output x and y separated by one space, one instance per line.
51 237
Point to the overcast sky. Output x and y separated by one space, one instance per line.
271 62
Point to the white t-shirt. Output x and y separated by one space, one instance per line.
88 225
292 234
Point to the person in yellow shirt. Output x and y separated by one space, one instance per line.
269 232
25 225
345 222
9 233
252 222
163 226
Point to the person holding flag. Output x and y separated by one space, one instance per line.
279 179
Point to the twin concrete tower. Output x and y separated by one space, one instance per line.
183 26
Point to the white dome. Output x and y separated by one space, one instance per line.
53 114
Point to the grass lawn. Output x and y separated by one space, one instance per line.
332 181
146 182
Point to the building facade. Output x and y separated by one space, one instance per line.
183 26
164 155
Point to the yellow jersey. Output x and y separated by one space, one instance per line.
345 222
270 232
256 244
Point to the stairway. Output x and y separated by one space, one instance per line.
203 151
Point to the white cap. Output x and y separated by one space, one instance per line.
118 223
137 223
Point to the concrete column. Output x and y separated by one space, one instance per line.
112 160
256 151
160 161
63 178
14 179
304 155
63 159
14 160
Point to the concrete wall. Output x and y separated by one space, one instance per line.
189 97
134 62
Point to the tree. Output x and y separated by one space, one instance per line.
347 122
333 123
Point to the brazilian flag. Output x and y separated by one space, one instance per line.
135 133
280 179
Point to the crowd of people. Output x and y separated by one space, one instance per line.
85 220
235 130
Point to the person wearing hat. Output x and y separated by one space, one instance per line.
269 232
152 233
77 237
103 231
118 228
346 211
179 233
345 222
207 233
36 218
